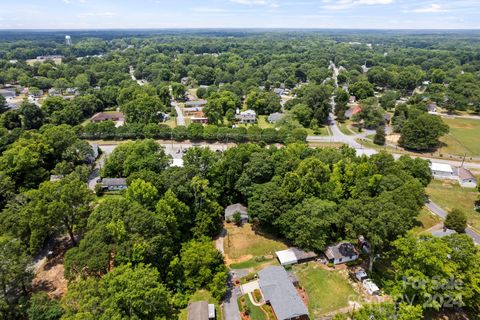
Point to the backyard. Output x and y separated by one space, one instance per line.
246 247
463 138
449 195
327 290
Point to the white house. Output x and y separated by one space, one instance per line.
466 179
442 171
249 116
341 253
294 255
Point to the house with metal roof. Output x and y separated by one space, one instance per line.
274 117
294 255
442 171
279 292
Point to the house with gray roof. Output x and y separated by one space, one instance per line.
114 184
234 208
466 179
341 253
444 232
279 292
274 117
201 310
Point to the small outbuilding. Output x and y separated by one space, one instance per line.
371 287
341 253
294 255
201 310
234 208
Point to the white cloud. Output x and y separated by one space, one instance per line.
347 4
268 3
96 14
432 8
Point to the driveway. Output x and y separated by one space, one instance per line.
180 117
230 306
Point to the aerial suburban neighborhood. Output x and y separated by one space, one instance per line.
240 160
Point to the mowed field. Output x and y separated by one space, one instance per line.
327 290
245 247
449 195
464 137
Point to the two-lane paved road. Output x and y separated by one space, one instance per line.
436 209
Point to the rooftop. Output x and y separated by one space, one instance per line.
340 250
465 174
114 181
237 207
443 167
279 291
198 310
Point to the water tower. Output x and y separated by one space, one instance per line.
68 41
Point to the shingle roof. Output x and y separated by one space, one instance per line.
279 291
341 250
114 182
465 174
233 208
198 310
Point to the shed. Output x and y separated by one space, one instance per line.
198 310
341 253
466 179
234 208
294 255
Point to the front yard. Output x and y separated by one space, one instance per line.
327 290
449 195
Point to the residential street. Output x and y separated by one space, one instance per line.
436 209
180 117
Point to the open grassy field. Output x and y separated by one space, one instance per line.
426 220
449 195
202 295
327 290
464 137
246 247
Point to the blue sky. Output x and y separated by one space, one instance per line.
375 14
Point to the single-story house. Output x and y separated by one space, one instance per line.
249 116
203 120
371 287
442 171
352 111
278 91
234 208
196 103
341 253
279 292
466 179
105 116
192 110
274 117
294 255
114 184
201 310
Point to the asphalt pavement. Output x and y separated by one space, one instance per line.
436 209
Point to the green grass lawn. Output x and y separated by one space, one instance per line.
426 220
327 290
344 128
201 295
263 122
464 137
254 262
449 195
255 312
